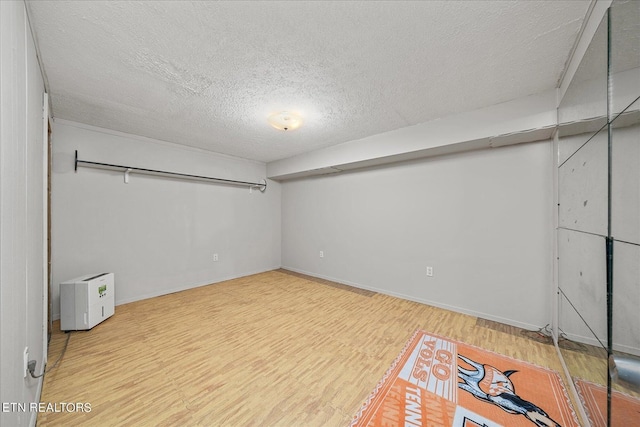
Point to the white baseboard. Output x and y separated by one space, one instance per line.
590 340
56 316
456 309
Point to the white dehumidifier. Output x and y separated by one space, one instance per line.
86 301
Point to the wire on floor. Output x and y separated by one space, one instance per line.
32 368
545 331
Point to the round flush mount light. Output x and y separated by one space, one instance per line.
285 120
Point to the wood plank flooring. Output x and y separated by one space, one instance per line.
273 349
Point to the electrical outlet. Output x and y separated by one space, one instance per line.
321 254
430 271
25 362
31 367
215 257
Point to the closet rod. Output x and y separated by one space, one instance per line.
262 186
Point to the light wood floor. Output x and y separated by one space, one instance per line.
273 349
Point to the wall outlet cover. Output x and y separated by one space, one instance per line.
25 361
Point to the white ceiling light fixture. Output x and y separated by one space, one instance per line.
285 120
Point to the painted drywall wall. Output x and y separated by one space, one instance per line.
481 219
157 235
22 170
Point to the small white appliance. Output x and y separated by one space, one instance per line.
86 301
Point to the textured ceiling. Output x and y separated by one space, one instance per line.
208 74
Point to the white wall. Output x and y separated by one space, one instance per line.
22 213
157 235
481 219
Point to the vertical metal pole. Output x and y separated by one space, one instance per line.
609 241
609 249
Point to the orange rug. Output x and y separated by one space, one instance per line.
436 381
625 410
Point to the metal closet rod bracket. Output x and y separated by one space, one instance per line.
262 185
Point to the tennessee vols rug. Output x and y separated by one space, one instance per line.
625 409
436 381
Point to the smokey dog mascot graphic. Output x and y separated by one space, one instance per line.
493 386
